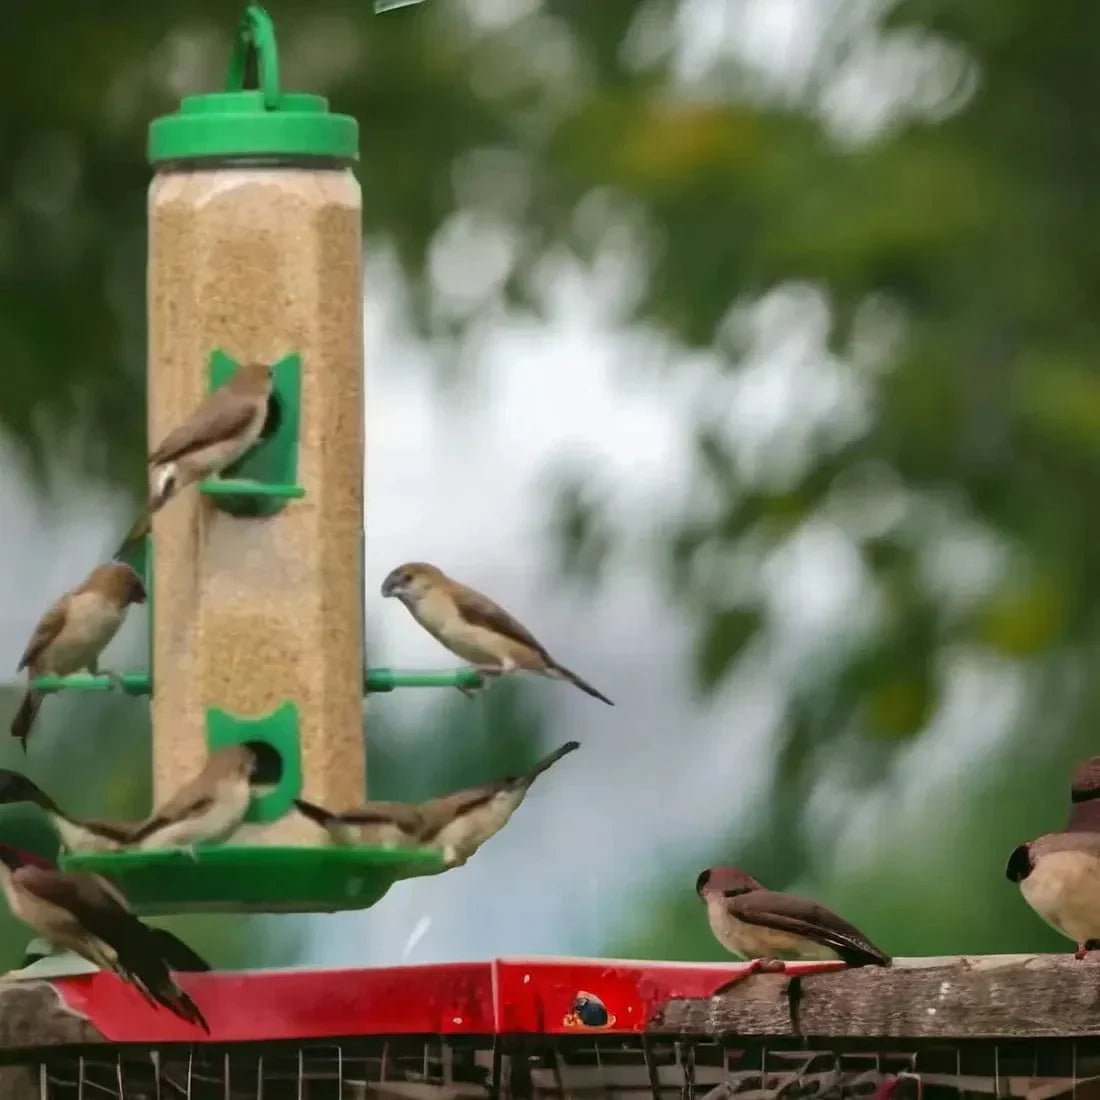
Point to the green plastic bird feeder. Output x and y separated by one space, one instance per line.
255 243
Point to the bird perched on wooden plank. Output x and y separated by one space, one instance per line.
74 631
766 925
473 627
88 915
226 425
1059 873
76 834
455 824
206 810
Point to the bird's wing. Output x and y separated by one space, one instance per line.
118 831
801 917
100 910
482 611
219 417
402 814
192 798
48 628
176 953
108 887
438 812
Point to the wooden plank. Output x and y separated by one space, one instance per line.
963 997
33 1014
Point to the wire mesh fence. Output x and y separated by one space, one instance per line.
547 1068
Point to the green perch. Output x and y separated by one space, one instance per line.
375 680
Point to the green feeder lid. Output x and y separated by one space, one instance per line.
265 122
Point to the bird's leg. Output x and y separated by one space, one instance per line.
1084 948
755 966
117 681
190 851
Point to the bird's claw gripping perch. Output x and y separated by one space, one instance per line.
755 966
116 679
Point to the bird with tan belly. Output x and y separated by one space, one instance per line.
766 926
1059 873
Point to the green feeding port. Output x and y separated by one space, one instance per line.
262 481
275 740
256 879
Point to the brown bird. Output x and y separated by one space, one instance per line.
472 626
176 953
75 631
88 915
761 924
1059 873
206 810
456 824
76 834
227 423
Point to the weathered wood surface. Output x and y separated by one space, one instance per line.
32 1016
955 997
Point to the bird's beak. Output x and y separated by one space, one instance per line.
391 586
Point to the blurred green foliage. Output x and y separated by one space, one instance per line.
968 237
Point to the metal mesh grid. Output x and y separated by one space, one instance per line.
545 1068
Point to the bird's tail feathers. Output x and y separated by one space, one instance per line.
176 954
866 954
149 974
138 530
549 761
314 812
560 672
24 716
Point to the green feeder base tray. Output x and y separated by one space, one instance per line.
258 879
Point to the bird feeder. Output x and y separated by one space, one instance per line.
256 579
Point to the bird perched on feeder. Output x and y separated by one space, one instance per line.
74 632
76 834
226 425
473 627
1059 873
456 824
208 809
765 925
88 915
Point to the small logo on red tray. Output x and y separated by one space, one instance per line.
588 1012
